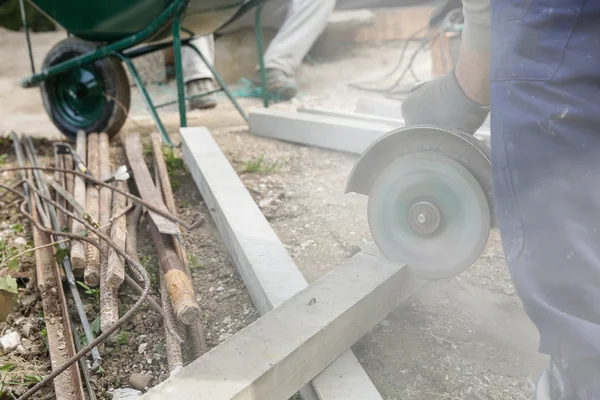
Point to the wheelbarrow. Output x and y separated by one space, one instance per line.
83 82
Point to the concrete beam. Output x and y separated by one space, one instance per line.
286 348
269 272
333 132
392 109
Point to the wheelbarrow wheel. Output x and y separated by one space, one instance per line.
93 97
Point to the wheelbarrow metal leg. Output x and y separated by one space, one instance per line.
221 83
179 69
261 54
147 99
26 29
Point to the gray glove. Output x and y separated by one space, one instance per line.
443 103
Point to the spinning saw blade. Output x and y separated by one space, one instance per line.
427 208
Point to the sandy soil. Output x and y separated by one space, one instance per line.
462 338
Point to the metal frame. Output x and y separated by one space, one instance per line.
123 50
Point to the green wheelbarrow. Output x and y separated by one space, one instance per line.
83 82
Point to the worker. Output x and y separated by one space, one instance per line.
536 73
299 24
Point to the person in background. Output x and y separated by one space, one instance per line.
536 69
299 24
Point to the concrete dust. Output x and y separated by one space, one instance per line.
466 337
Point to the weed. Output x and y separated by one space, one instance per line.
121 338
259 166
9 256
32 379
18 228
194 262
3 158
93 293
159 348
175 164
61 253
152 269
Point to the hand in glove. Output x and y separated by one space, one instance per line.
442 102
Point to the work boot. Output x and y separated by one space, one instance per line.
553 385
199 86
279 84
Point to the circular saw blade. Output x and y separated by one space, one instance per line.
428 211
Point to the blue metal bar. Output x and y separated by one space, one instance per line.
261 52
170 103
221 82
179 69
26 27
147 99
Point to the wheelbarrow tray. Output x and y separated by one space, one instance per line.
112 20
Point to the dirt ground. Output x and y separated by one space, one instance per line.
466 337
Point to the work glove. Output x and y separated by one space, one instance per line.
442 102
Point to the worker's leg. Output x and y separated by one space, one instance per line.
299 24
546 167
196 75
305 21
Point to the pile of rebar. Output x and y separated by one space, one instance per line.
85 220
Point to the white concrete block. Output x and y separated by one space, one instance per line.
269 272
286 348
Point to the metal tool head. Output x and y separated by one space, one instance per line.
63 148
427 208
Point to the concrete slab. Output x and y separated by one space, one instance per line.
269 272
286 348
333 132
392 109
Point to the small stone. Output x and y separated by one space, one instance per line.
26 329
20 349
29 300
142 348
10 342
224 336
246 312
227 320
19 241
126 394
211 289
304 245
139 381
220 289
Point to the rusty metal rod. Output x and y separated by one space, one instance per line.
66 262
199 221
100 339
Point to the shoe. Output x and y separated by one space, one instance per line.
200 86
552 385
279 84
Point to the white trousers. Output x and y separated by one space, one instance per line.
299 24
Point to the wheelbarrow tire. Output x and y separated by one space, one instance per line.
93 97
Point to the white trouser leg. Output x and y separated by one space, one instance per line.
298 22
193 66
304 23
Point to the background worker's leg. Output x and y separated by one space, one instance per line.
304 22
298 23
196 75
546 168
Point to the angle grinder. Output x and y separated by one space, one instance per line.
430 200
